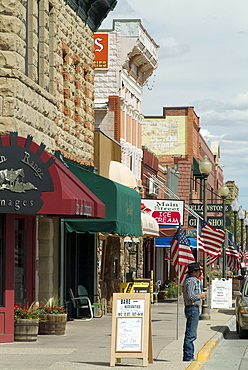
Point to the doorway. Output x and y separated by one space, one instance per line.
79 265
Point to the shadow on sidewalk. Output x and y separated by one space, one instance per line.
227 312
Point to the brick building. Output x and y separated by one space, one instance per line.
132 58
176 140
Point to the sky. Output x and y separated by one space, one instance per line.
203 62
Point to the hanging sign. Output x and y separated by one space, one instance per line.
166 212
197 207
131 327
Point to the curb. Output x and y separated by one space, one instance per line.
207 350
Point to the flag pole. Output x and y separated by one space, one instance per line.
178 286
197 233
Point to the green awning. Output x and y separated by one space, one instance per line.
123 215
196 170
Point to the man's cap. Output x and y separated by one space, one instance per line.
194 266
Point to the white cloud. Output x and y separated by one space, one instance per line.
202 63
171 48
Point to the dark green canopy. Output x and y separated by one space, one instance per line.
123 215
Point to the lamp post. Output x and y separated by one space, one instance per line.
223 190
235 208
205 167
246 228
241 215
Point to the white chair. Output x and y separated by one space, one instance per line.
81 303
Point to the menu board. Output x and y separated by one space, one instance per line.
129 334
131 327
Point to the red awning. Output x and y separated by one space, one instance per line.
70 195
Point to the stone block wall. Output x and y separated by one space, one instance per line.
47 76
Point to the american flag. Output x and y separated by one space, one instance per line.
212 259
243 254
232 260
209 239
181 253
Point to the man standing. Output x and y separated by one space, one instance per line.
192 296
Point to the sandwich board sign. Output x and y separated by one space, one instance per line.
221 296
131 327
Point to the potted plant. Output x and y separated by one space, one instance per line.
52 317
26 323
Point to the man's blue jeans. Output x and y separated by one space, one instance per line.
192 314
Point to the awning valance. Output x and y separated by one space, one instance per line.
149 226
70 195
118 172
123 215
196 170
165 242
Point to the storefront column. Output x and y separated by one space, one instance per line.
122 261
46 258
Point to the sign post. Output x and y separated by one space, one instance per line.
131 327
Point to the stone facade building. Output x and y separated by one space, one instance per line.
47 98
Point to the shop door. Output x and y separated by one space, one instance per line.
20 263
17 275
24 260
80 264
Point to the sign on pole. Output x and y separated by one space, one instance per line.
131 327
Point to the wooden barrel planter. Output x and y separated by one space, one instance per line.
53 324
26 330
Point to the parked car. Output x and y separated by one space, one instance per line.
241 308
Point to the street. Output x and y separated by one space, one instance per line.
231 354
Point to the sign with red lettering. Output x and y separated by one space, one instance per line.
166 212
101 50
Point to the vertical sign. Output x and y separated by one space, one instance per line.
101 50
131 327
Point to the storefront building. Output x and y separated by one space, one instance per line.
123 218
36 189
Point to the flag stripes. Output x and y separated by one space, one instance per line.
209 239
181 254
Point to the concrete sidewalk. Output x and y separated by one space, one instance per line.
86 345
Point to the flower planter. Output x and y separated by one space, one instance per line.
52 324
26 330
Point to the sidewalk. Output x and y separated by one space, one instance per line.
86 345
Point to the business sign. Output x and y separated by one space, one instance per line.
210 207
23 175
191 233
213 221
166 212
101 50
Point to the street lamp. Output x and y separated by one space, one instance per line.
223 190
241 214
235 208
205 167
246 228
